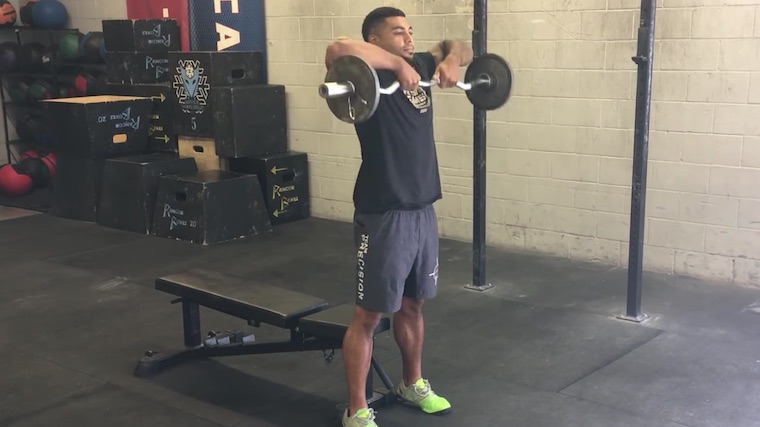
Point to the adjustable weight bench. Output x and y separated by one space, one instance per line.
313 323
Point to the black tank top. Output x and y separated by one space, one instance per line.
399 169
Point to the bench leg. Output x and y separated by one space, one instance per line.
381 373
376 398
153 362
191 322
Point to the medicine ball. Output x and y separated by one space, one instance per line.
63 91
31 128
41 89
89 46
7 14
48 157
51 161
50 14
85 84
30 57
68 47
8 57
30 153
36 169
13 183
25 12
51 58
24 129
33 152
18 90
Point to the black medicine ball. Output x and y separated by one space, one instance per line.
30 57
36 169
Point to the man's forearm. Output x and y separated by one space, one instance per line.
377 57
456 51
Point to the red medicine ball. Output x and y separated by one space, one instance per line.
51 162
14 184
47 157
30 153
7 14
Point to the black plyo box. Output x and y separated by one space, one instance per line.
210 207
77 184
144 35
284 180
249 120
161 136
195 74
99 126
137 67
130 187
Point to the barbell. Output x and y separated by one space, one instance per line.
352 89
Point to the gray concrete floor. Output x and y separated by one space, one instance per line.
8 212
543 348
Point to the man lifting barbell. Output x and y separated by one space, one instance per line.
395 225
353 90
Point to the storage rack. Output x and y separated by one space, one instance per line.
58 69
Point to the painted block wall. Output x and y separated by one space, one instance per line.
560 153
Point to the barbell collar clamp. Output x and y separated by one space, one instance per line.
483 79
336 90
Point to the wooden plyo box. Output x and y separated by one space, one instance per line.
203 150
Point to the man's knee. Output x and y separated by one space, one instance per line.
412 306
365 320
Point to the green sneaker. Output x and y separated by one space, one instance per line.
364 417
420 394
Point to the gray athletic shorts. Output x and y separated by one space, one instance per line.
397 256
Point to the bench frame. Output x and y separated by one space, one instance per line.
154 362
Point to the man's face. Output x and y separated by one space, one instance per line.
395 36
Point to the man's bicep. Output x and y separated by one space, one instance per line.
438 53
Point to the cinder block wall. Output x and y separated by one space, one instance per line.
88 14
560 153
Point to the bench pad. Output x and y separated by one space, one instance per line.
333 322
240 297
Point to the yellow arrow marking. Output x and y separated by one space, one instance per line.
276 169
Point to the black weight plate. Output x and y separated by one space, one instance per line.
366 95
495 95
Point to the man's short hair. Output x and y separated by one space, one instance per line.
376 18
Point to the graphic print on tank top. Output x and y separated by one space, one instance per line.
419 99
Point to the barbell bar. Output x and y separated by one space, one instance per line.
336 90
352 89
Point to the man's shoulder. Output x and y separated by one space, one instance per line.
425 57
386 77
424 61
